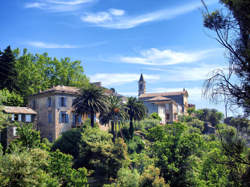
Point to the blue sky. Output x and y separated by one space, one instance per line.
116 40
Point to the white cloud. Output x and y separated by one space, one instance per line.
111 79
97 18
50 45
187 73
102 17
156 57
57 5
127 22
116 12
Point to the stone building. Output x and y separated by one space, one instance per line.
16 114
55 113
168 105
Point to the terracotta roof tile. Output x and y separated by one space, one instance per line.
18 110
162 94
160 98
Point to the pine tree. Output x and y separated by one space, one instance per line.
8 74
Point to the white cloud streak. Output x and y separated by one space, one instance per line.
156 57
127 22
57 5
179 74
111 79
50 45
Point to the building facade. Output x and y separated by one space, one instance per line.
55 113
16 114
54 110
168 105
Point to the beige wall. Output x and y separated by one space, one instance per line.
54 129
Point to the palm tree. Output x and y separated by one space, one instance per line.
92 100
115 112
136 111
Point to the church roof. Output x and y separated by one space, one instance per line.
160 98
141 78
163 94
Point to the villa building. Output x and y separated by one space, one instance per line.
168 105
55 113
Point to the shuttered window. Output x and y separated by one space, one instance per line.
63 117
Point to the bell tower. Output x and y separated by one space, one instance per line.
142 86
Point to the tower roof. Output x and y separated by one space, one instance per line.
141 78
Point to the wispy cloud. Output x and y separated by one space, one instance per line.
102 17
50 45
121 21
40 44
156 57
187 73
57 5
111 79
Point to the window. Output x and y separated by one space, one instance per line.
12 117
168 116
28 118
76 119
64 117
62 101
19 117
49 102
50 117
14 131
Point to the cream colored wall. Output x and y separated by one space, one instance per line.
161 113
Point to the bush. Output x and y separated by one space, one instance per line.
135 144
146 124
69 142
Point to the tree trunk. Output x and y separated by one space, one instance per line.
131 127
113 130
92 119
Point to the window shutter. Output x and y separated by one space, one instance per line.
14 131
74 118
60 117
65 101
59 102
67 118
13 117
79 119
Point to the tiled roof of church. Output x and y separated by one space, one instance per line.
18 110
163 94
160 98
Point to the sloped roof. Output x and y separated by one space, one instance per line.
62 89
160 98
163 94
18 110
69 90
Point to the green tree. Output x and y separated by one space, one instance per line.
8 73
11 98
68 143
100 154
231 28
40 72
91 101
26 169
136 111
115 113
155 116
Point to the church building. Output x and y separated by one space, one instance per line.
168 105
